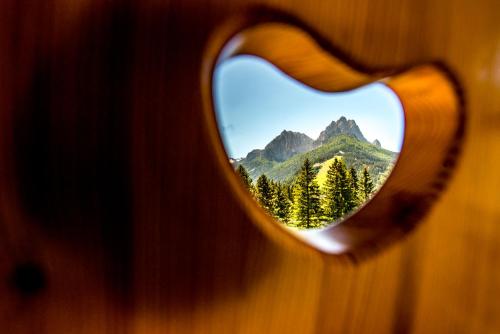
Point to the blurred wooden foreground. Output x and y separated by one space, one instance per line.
116 217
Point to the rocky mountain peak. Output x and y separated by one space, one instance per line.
254 154
341 126
286 145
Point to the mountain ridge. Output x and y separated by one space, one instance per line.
289 143
286 145
341 126
356 153
281 157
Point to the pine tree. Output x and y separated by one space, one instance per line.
354 184
290 192
264 193
340 195
281 203
333 201
345 187
366 184
245 177
307 206
274 190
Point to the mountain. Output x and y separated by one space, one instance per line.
286 145
282 158
376 142
281 148
356 153
342 126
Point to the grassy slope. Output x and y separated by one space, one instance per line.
321 176
355 153
258 166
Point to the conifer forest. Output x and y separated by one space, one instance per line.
304 203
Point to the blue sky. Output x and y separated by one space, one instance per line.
255 101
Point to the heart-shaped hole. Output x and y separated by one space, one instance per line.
309 158
313 136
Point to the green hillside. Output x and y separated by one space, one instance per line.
355 153
321 176
258 166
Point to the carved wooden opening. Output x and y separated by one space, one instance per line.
434 123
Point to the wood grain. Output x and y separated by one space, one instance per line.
110 185
434 124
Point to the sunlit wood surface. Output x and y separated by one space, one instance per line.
431 99
109 186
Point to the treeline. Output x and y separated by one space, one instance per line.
302 203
